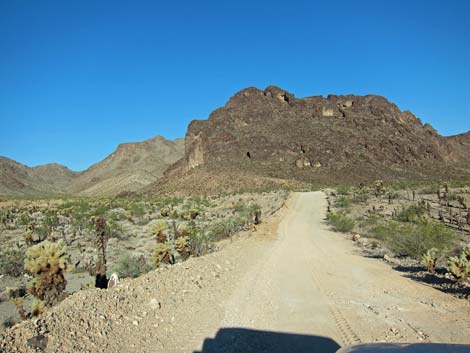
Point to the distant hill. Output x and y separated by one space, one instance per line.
19 179
272 134
129 168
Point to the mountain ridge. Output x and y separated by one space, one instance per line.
131 166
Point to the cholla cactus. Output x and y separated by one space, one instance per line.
183 231
159 230
459 266
466 252
429 260
163 253
28 237
182 247
193 213
47 262
37 307
165 212
379 188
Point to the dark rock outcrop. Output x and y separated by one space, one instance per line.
347 138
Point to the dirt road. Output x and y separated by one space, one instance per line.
292 286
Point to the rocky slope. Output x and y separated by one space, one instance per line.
19 179
271 133
129 168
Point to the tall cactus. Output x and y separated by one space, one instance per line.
101 280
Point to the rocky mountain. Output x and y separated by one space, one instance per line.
19 179
129 168
271 133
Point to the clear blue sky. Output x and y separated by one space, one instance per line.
79 77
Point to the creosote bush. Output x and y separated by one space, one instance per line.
341 222
412 214
343 202
11 262
131 266
414 240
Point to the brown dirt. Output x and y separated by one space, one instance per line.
293 275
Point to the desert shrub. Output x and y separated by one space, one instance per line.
360 196
47 262
227 227
24 218
11 262
370 221
99 210
413 240
343 189
452 196
42 232
459 266
115 230
199 243
131 266
341 222
412 214
343 202
137 209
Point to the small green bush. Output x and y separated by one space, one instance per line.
131 266
137 209
343 189
11 262
223 229
412 214
199 243
343 202
341 222
360 196
413 240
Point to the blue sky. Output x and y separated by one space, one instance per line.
79 77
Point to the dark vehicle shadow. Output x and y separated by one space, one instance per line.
240 340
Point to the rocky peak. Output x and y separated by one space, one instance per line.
278 134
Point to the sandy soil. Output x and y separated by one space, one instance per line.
292 286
